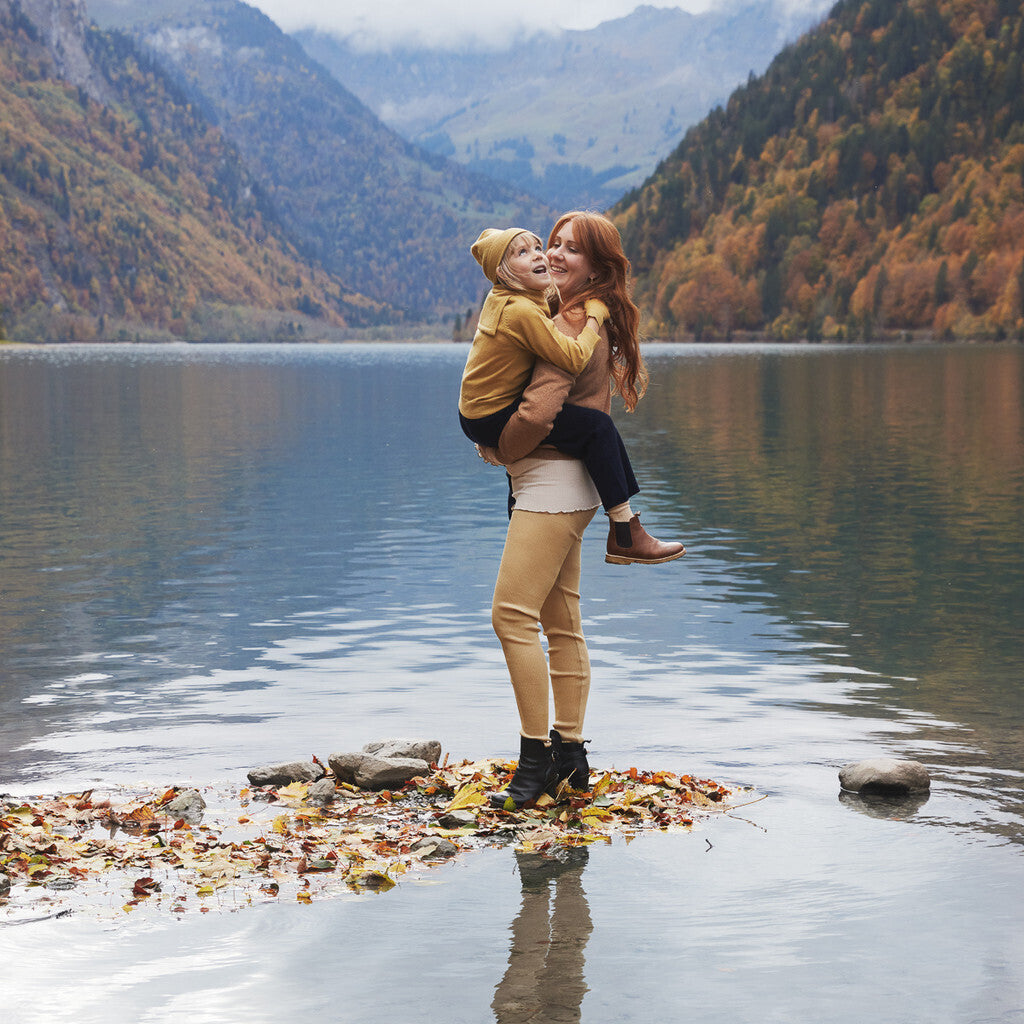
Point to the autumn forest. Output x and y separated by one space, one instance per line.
870 184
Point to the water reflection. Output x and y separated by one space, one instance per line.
209 552
545 980
889 807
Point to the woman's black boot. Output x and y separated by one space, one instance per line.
534 774
570 762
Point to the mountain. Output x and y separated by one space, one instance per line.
869 184
387 217
577 117
124 213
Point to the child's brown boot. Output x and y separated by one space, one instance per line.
630 542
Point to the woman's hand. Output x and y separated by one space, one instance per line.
597 309
489 455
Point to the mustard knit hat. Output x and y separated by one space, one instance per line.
489 249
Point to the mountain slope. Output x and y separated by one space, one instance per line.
122 211
871 183
393 220
578 117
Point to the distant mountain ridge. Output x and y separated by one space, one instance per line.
578 117
392 220
869 184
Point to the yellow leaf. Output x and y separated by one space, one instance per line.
602 785
471 795
281 823
303 897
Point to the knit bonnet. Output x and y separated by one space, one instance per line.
489 249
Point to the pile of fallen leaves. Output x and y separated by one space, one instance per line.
87 851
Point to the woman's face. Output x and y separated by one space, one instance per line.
569 267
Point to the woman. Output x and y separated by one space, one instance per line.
554 501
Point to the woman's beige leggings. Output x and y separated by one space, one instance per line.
539 583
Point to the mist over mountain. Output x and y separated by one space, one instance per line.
577 117
393 220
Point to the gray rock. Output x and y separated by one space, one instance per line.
321 793
885 776
435 846
368 771
344 765
457 819
423 750
283 774
5 884
188 805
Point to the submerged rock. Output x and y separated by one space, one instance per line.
457 819
285 773
434 846
321 793
188 805
885 776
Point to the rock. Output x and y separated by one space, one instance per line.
885 776
283 774
457 819
321 793
423 750
434 846
344 765
5 884
368 771
188 806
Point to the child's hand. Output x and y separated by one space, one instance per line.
597 309
489 455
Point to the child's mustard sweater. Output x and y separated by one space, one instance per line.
515 329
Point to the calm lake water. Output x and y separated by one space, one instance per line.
214 557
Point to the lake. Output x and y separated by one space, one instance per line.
212 557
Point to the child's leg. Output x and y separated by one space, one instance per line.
591 435
487 429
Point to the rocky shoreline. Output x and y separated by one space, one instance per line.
302 830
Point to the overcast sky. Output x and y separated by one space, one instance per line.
376 23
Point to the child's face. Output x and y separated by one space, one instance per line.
526 262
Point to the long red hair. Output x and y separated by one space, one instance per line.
598 239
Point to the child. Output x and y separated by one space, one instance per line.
514 330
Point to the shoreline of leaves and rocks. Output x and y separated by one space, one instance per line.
305 831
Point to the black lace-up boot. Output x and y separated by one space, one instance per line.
534 775
570 762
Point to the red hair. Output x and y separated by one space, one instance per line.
598 240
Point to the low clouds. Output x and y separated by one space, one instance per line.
380 24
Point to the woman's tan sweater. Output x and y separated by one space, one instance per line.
549 389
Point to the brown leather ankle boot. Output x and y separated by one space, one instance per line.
630 542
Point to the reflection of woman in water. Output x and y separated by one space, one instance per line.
545 977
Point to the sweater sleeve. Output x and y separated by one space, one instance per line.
540 336
533 420
549 389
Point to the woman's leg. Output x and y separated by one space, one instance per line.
569 662
536 549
